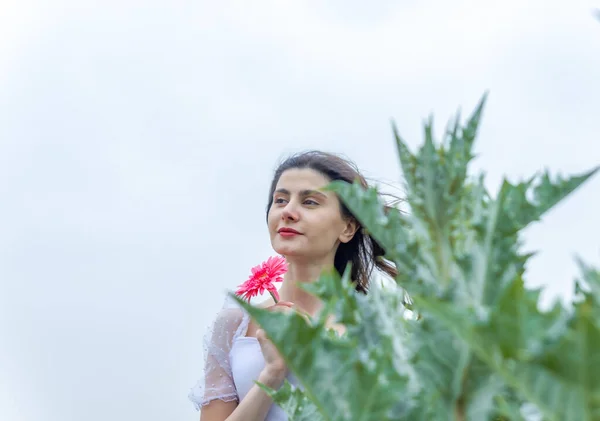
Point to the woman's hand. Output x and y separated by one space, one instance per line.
275 366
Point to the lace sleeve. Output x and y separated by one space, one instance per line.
217 380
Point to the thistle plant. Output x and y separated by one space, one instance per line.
481 347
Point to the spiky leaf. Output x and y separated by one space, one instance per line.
294 402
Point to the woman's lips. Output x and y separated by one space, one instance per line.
288 232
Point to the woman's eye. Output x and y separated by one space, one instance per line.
278 200
310 202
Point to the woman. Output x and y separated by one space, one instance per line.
313 230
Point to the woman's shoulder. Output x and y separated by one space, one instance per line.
233 317
228 322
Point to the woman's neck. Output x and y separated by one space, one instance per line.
296 275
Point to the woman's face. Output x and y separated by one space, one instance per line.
305 222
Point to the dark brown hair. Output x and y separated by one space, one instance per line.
362 251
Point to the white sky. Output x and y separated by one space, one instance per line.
137 141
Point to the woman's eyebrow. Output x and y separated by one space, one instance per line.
313 193
303 192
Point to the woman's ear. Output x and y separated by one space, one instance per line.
349 230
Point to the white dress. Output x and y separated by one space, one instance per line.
232 362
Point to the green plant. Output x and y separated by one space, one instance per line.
481 348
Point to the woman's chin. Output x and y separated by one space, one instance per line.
287 252
283 252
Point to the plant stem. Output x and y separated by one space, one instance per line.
274 298
459 410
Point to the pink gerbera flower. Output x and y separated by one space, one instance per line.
262 279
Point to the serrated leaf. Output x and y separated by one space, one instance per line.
519 210
294 402
590 280
387 228
550 357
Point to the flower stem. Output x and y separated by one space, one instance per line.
274 297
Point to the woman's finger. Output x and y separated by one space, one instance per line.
282 306
285 308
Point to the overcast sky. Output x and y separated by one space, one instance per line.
138 138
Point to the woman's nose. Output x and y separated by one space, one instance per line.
289 213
